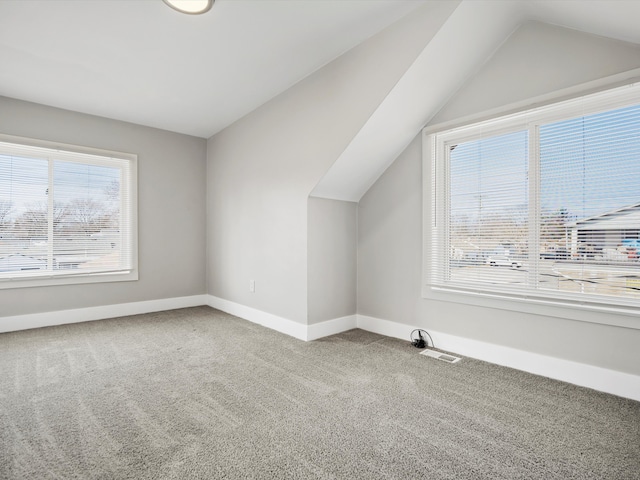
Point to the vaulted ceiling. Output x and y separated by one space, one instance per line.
465 42
140 61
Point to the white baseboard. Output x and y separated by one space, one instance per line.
269 320
331 327
62 317
610 381
284 325
597 378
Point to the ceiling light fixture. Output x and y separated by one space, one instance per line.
192 7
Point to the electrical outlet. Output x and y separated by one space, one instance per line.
252 286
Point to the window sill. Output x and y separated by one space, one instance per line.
601 314
69 280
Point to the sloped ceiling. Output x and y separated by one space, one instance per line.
465 42
444 64
530 54
142 62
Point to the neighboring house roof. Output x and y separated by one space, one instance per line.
625 218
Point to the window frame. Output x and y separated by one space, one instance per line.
75 153
435 198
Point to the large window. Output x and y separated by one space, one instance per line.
542 205
67 214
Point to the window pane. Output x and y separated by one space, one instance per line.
66 216
23 214
87 213
488 211
590 204
557 220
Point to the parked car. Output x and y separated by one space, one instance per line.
557 254
503 261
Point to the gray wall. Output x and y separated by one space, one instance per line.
262 168
332 243
171 208
536 60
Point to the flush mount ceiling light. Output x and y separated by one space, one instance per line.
192 7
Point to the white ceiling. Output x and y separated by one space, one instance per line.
142 62
486 25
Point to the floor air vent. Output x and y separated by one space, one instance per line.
445 357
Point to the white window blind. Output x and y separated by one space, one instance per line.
544 204
64 213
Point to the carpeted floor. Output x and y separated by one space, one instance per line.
196 393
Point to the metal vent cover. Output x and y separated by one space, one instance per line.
445 357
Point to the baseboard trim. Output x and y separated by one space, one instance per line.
269 320
331 327
284 325
77 315
597 378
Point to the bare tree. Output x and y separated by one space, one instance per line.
34 221
553 225
85 215
6 206
112 191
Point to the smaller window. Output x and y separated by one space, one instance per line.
67 214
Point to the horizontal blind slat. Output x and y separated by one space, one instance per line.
588 202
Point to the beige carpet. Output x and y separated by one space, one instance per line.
196 393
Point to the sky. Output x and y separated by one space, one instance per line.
24 181
588 165
591 165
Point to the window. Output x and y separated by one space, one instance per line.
542 205
67 214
